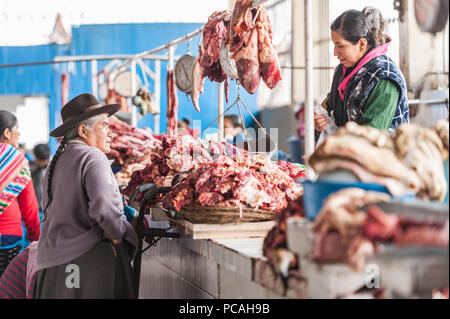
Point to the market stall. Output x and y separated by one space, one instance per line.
217 220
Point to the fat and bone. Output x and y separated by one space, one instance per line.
409 162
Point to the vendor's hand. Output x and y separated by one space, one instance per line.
320 122
324 103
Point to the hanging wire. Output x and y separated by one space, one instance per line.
237 102
189 47
144 73
219 117
245 129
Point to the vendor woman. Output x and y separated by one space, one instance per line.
367 87
86 242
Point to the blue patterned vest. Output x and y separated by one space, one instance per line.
362 84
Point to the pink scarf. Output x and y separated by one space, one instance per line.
378 51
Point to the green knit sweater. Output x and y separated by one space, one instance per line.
380 108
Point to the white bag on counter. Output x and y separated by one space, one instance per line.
331 127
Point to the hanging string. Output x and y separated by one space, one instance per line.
189 47
144 72
245 129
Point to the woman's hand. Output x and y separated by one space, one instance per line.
320 122
117 241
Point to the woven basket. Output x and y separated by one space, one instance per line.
225 215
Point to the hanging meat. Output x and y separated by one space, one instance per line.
214 33
198 80
248 36
172 104
250 52
268 57
247 64
241 24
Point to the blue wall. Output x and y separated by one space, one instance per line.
108 39
34 80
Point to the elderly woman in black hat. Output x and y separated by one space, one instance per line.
86 242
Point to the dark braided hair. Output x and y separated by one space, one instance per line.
368 24
51 167
7 121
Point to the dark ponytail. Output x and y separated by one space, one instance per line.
376 24
7 121
354 25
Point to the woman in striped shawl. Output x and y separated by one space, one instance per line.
17 197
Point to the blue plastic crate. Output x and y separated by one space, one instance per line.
315 193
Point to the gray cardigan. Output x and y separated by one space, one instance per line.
86 208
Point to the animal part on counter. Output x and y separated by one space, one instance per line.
247 63
339 225
351 144
276 240
396 187
176 154
421 150
442 129
234 181
283 260
345 233
128 142
268 57
172 104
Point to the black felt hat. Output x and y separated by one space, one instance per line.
81 108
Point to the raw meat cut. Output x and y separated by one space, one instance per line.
234 181
176 154
442 129
276 239
346 233
214 33
129 143
197 81
172 104
340 224
268 57
247 63
396 187
370 149
421 150
241 24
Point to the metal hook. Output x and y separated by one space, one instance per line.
238 85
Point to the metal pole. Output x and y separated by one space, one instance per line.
94 83
220 128
309 88
133 91
157 95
